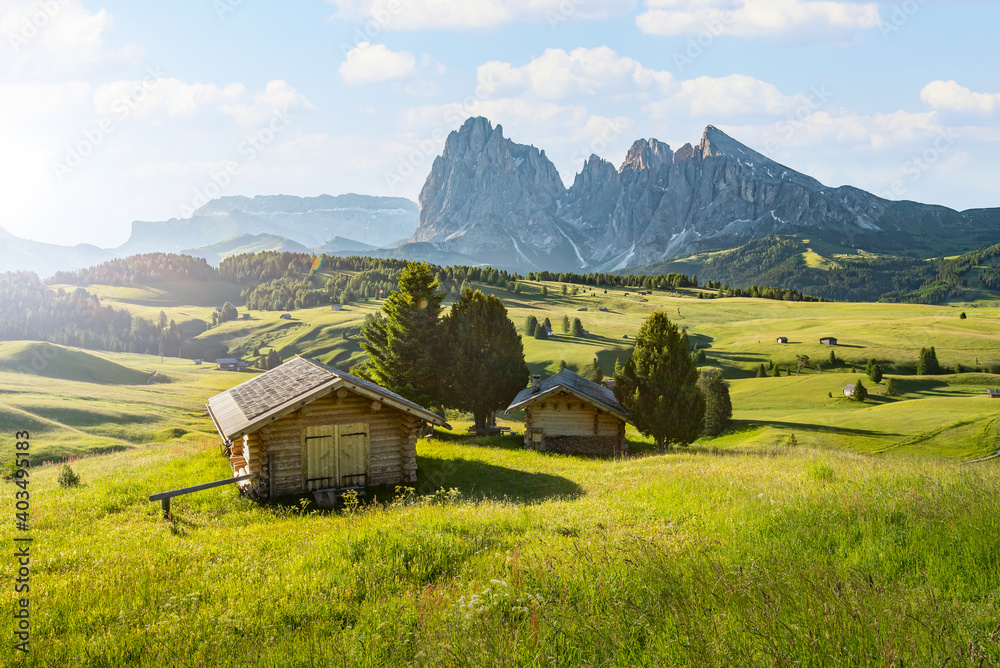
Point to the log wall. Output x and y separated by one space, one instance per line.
275 450
572 426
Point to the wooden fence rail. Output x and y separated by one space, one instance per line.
164 497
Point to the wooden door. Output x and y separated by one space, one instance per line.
335 456
319 461
353 455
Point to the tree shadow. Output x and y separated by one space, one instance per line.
740 425
476 479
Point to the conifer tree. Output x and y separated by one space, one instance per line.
860 392
718 405
487 357
875 372
565 324
577 327
404 348
530 323
658 385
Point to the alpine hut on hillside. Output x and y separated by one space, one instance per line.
568 413
308 427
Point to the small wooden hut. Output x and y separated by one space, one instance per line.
308 427
828 341
568 413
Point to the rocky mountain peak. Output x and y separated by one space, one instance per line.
647 154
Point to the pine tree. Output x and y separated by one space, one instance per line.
833 358
777 372
658 385
565 324
541 333
530 324
404 348
860 392
273 359
598 374
875 372
868 367
547 324
487 357
762 372
577 327
718 405
890 387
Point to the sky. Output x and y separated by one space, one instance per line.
118 111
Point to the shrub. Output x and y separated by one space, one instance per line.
962 316
67 477
890 387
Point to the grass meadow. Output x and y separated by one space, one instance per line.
816 532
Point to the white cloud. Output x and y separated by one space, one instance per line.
463 14
557 74
54 35
177 99
367 63
757 18
736 94
950 96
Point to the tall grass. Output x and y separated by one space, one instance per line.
719 557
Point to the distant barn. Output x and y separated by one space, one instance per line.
335 307
993 394
782 339
828 341
308 427
230 364
285 316
568 413
849 390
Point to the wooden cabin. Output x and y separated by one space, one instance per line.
782 339
828 341
849 390
230 364
568 413
993 394
308 427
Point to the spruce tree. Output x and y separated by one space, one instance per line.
598 374
486 364
875 372
530 323
565 324
541 333
577 327
718 405
547 324
404 348
658 385
860 392
762 372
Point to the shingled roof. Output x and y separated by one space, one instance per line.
575 384
269 396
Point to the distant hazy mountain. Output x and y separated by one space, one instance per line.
310 221
246 243
46 259
234 225
496 201
340 244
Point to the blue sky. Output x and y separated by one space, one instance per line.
119 111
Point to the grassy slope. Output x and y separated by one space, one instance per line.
708 557
740 551
948 416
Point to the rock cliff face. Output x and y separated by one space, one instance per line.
504 204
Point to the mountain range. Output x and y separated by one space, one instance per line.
491 201
497 201
235 224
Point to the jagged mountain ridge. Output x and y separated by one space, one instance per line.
500 202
